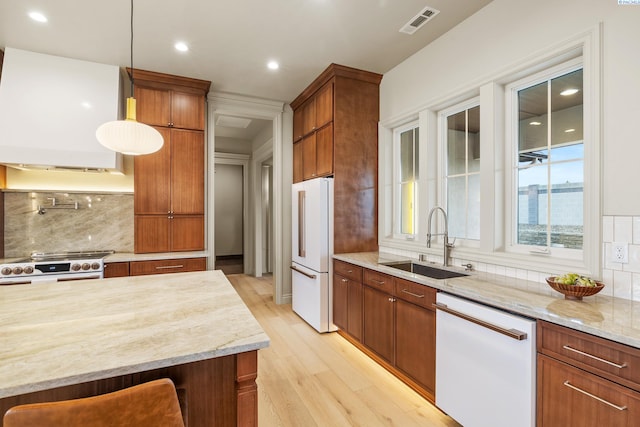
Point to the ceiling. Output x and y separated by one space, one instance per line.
231 41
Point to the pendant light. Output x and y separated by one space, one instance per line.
129 136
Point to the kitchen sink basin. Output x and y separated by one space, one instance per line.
425 270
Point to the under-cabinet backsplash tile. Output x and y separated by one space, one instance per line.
102 221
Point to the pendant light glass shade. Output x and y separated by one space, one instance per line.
129 136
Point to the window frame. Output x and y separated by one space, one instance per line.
396 173
511 164
442 161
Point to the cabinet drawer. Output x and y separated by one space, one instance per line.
416 293
181 265
379 281
615 361
347 270
116 269
571 397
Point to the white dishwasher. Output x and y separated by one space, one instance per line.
485 364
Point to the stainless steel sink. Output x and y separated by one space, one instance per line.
424 270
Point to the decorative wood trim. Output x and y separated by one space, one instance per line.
335 70
246 389
168 81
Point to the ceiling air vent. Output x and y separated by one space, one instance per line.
419 20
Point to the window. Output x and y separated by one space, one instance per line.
462 176
406 175
549 162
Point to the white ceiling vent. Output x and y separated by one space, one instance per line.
233 122
419 20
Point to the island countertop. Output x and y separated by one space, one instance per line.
58 334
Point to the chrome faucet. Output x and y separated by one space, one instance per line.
446 245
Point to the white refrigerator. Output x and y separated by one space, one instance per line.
312 249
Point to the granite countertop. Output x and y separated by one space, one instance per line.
604 316
58 334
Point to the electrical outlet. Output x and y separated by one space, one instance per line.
620 252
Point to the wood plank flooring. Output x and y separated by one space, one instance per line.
310 379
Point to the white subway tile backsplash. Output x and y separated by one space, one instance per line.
607 229
634 259
607 279
635 284
622 229
636 230
622 284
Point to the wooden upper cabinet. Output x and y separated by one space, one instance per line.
187 110
309 156
187 172
324 105
324 151
309 116
297 162
152 177
298 132
153 106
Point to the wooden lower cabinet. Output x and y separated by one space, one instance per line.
347 305
379 312
116 269
398 323
168 233
416 343
571 397
179 265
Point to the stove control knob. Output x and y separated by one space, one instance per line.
75 267
6 271
28 269
86 266
17 270
95 266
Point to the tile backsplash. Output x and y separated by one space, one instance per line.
622 279
101 222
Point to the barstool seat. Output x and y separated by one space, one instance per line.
154 403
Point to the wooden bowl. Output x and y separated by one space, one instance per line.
574 292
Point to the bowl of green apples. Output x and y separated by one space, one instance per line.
575 286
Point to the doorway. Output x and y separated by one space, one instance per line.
229 225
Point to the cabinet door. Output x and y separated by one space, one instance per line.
340 298
378 322
116 269
416 343
297 162
324 105
354 310
187 110
151 233
187 172
298 125
151 179
153 106
309 156
187 233
324 151
571 397
308 116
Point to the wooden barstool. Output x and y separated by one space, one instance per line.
152 404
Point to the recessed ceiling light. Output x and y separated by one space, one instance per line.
37 16
569 130
86 105
535 123
568 92
273 65
181 46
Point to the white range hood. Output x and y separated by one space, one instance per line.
50 108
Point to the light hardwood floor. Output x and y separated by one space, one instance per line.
308 379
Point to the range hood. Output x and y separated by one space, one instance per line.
50 108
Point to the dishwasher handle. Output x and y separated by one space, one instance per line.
511 333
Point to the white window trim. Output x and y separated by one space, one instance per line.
442 160
396 212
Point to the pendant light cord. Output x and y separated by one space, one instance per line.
131 53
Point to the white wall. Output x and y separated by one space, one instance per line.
228 210
232 145
509 32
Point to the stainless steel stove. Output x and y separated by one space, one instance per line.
54 267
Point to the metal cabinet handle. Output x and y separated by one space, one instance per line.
586 393
412 294
349 271
567 347
511 333
378 282
164 267
345 280
302 252
391 299
310 276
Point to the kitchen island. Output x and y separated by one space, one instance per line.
82 338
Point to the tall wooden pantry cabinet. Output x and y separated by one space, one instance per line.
169 184
335 133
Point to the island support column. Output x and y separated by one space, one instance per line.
246 389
